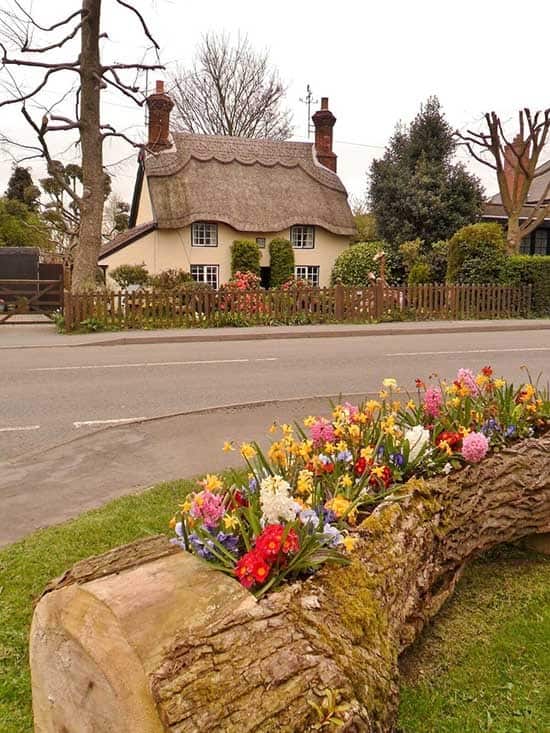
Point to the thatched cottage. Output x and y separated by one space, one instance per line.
196 194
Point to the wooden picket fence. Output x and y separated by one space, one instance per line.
163 309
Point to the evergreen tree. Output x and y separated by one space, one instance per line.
21 188
416 191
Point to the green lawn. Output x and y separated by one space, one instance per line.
483 665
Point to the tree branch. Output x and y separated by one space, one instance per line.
53 27
143 23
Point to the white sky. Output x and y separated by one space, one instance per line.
376 61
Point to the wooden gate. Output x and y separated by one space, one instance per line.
43 296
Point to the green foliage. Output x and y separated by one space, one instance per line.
366 228
420 273
21 227
245 256
126 275
354 264
21 188
437 259
410 252
477 254
281 256
170 279
416 191
533 270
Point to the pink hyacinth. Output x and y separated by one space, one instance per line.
209 507
322 431
475 447
352 410
466 378
433 399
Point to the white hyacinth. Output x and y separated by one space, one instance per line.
418 437
276 501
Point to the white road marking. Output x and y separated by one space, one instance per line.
19 429
466 351
150 364
119 421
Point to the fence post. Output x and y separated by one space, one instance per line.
339 302
378 299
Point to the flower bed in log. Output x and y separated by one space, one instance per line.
306 495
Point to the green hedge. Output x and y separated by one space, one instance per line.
534 270
281 256
477 254
245 256
353 265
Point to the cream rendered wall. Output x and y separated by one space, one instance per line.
171 248
145 208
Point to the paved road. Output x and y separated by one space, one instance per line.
65 444
49 396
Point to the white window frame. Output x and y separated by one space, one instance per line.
525 245
209 274
310 273
302 236
260 241
204 234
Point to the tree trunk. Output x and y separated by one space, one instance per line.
91 207
513 236
123 644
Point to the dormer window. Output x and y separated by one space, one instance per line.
302 237
204 234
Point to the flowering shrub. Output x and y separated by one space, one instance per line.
244 292
306 495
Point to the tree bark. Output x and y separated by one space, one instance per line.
172 645
513 234
91 206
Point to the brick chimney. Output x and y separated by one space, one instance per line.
514 152
324 121
160 106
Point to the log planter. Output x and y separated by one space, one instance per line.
147 639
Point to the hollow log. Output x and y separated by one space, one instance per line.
147 638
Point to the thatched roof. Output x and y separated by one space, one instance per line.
251 185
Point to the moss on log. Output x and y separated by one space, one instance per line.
143 639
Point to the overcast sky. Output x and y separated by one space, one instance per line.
376 61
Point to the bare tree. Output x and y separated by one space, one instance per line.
515 164
91 77
231 90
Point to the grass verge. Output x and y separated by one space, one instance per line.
484 663
482 666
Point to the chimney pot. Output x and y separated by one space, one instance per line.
160 106
324 121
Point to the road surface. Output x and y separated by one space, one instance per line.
68 439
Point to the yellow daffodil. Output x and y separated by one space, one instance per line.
172 523
411 404
228 446
367 452
273 428
186 506
382 394
341 446
350 543
340 506
230 522
247 451
354 433
304 484
211 482
444 446
396 405
345 481
287 429
455 402
309 421
373 405
499 383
